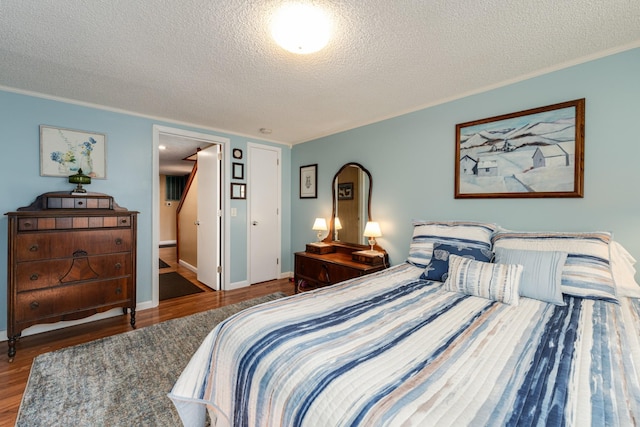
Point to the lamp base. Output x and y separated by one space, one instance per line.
78 190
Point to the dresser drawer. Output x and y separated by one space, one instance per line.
76 222
32 275
44 245
324 272
65 300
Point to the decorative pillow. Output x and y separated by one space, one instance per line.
623 271
587 271
464 233
439 265
542 273
498 282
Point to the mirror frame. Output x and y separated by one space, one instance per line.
329 238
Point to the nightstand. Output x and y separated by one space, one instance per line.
314 270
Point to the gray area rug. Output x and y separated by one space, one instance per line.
122 380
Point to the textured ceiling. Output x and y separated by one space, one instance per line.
212 62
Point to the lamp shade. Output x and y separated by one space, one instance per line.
320 224
336 224
372 229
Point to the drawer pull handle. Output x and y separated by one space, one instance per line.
118 266
80 203
34 305
123 220
34 276
33 248
118 241
80 253
27 224
118 291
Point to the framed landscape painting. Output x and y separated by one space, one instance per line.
531 153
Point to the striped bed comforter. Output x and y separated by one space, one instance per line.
392 350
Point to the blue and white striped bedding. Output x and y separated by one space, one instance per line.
391 349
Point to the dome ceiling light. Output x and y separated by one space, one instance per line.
301 28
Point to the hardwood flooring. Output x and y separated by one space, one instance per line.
14 376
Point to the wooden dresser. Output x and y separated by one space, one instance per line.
69 257
315 270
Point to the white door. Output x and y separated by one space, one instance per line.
209 216
264 213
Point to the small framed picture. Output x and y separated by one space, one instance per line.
237 153
308 182
345 191
237 171
64 151
238 191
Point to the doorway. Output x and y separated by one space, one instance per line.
162 133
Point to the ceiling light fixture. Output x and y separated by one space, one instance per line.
301 28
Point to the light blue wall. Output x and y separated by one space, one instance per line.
129 175
411 159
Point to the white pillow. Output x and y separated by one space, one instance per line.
587 270
498 282
623 271
458 233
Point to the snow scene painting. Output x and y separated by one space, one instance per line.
533 153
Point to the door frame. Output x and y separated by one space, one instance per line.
155 213
278 244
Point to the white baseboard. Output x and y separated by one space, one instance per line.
286 275
46 327
188 266
244 283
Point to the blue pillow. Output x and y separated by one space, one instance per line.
439 265
542 274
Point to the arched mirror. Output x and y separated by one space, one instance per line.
351 190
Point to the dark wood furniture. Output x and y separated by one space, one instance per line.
313 270
69 257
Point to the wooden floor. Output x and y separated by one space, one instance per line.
13 376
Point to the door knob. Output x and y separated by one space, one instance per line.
196 222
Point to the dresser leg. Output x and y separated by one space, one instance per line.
12 346
133 318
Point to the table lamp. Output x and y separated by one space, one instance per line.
336 226
320 225
79 179
372 230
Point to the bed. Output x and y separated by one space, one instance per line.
546 331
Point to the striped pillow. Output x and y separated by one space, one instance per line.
498 282
458 233
587 270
